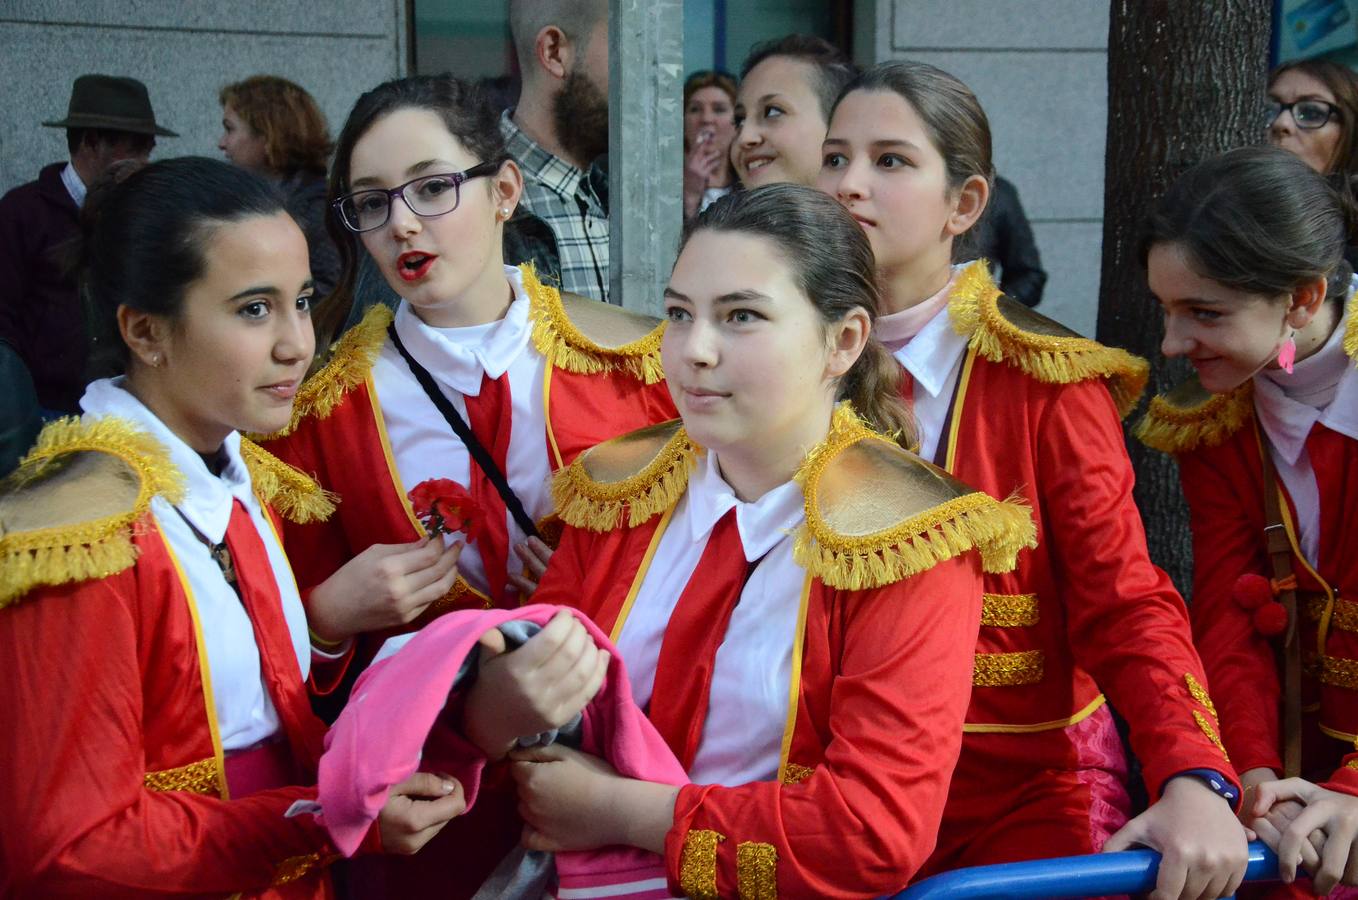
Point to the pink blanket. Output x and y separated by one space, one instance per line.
390 727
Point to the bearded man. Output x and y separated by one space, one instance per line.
558 134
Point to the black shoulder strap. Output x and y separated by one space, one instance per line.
478 451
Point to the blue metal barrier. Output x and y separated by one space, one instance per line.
1129 872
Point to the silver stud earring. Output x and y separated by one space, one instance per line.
504 212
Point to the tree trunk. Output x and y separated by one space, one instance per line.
1186 81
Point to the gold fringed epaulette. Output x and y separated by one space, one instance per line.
588 337
1189 417
296 495
1351 329
876 514
1004 330
69 511
351 359
626 480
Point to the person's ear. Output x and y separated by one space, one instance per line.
1306 302
145 334
506 187
554 52
971 201
848 337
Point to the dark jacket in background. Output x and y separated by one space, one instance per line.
39 305
1005 238
20 420
304 193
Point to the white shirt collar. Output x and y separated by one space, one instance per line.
458 357
1288 421
74 186
929 356
762 523
207 497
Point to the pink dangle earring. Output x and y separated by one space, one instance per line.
1287 356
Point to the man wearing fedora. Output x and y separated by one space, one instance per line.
109 119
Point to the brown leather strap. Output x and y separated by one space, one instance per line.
1280 558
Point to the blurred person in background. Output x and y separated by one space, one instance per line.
1006 239
709 127
274 127
109 119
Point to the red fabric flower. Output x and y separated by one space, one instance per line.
443 506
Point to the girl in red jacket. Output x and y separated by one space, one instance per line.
1010 401
1245 255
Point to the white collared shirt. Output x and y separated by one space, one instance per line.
1328 379
934 360
70 179
423 443
748 708
245 712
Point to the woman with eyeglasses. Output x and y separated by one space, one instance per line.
1313 114
483 376
1245 255
157 737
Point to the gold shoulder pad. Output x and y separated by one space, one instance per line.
588 337
351 359
296 495
1003 330
877 514
1188 417
67 513
629 478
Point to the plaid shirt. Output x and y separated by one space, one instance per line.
560 194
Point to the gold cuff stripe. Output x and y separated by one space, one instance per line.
201 777
294 867
1339 672
698 864
1344 617
757 871
1211 733
1199 693
1009 610
1008 669
1352 764
795 774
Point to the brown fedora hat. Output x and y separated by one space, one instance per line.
113 103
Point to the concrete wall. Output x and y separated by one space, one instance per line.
1040 69
184 52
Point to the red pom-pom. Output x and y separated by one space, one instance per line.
1252 591
1270 619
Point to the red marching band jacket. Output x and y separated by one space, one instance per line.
1219 446
881 664
602 378
1037 414
114 785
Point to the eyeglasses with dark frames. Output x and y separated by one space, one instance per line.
1308 114
427 197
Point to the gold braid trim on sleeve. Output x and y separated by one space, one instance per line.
202 777
296 496
295 867
1003 330
1009 610
935 517
1008 669
1343 618
599 492
1211 733
1199 693
1188 417
757 871
83 544
565 345
796 774
1339 672
351 359
698 864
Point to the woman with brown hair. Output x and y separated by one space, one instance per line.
274 127
709 126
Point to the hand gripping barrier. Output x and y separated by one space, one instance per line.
1096 875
